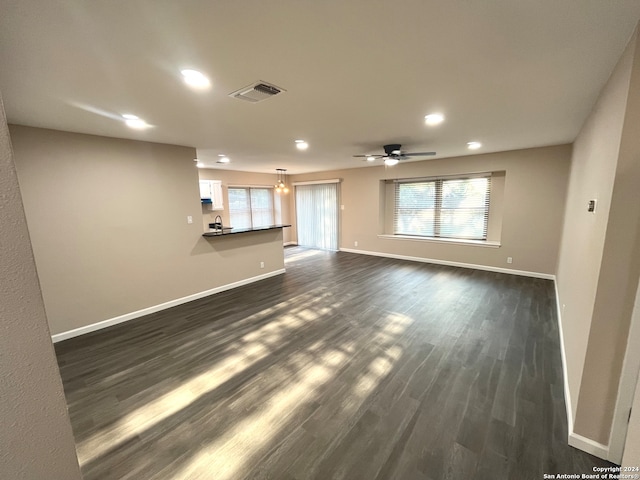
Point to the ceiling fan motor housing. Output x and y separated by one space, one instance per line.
392 149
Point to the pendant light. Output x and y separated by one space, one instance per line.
281 185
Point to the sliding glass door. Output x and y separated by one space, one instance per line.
317 215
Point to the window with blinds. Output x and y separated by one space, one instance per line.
250 207
443 207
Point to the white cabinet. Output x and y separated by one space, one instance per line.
211 194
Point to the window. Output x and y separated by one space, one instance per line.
443 208
250 207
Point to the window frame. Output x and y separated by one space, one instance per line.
437 224
251 211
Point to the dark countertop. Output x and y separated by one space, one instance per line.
233 231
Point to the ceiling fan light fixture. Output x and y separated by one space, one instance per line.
390 162
371 158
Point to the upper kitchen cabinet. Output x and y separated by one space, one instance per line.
211 194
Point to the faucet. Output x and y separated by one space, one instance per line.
217 223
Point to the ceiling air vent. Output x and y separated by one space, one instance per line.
257 92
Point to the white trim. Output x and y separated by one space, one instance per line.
233 185
286 244
574 439
567 392
156 308
453 176
587 445
487 268
626 386
455 241
317 182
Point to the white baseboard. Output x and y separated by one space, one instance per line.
453 264
587 445
156 308
286 244
565 373
575 440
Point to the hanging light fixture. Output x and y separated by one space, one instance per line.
281 186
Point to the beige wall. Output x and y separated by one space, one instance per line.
35 433
532 204
631 456
595 153
599 261
234 177
108 222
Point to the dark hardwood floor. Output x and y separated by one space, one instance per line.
346 367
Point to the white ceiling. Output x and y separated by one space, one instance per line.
358 73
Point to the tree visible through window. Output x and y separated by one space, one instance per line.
250 207
443 208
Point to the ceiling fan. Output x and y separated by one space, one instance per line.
393 154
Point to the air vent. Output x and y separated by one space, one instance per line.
257 92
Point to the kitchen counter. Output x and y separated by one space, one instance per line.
234 231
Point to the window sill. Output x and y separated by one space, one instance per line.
454 241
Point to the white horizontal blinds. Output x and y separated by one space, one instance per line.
443 208
239 207
250 207
465 208
415 209
317 215
261 206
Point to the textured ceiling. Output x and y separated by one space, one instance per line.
357 73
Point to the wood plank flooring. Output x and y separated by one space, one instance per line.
346 367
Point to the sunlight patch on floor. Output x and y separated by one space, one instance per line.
229 456
245 352
305 254
223 458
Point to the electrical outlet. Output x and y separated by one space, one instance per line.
261 264
355 244
509 259
189 219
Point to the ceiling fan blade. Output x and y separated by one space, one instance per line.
365 156
417 154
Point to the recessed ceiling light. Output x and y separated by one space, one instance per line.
133 121
390 162
200 165
370 158
301 145
434 119
195 79
473 145
223 159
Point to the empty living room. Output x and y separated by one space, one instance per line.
319 240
